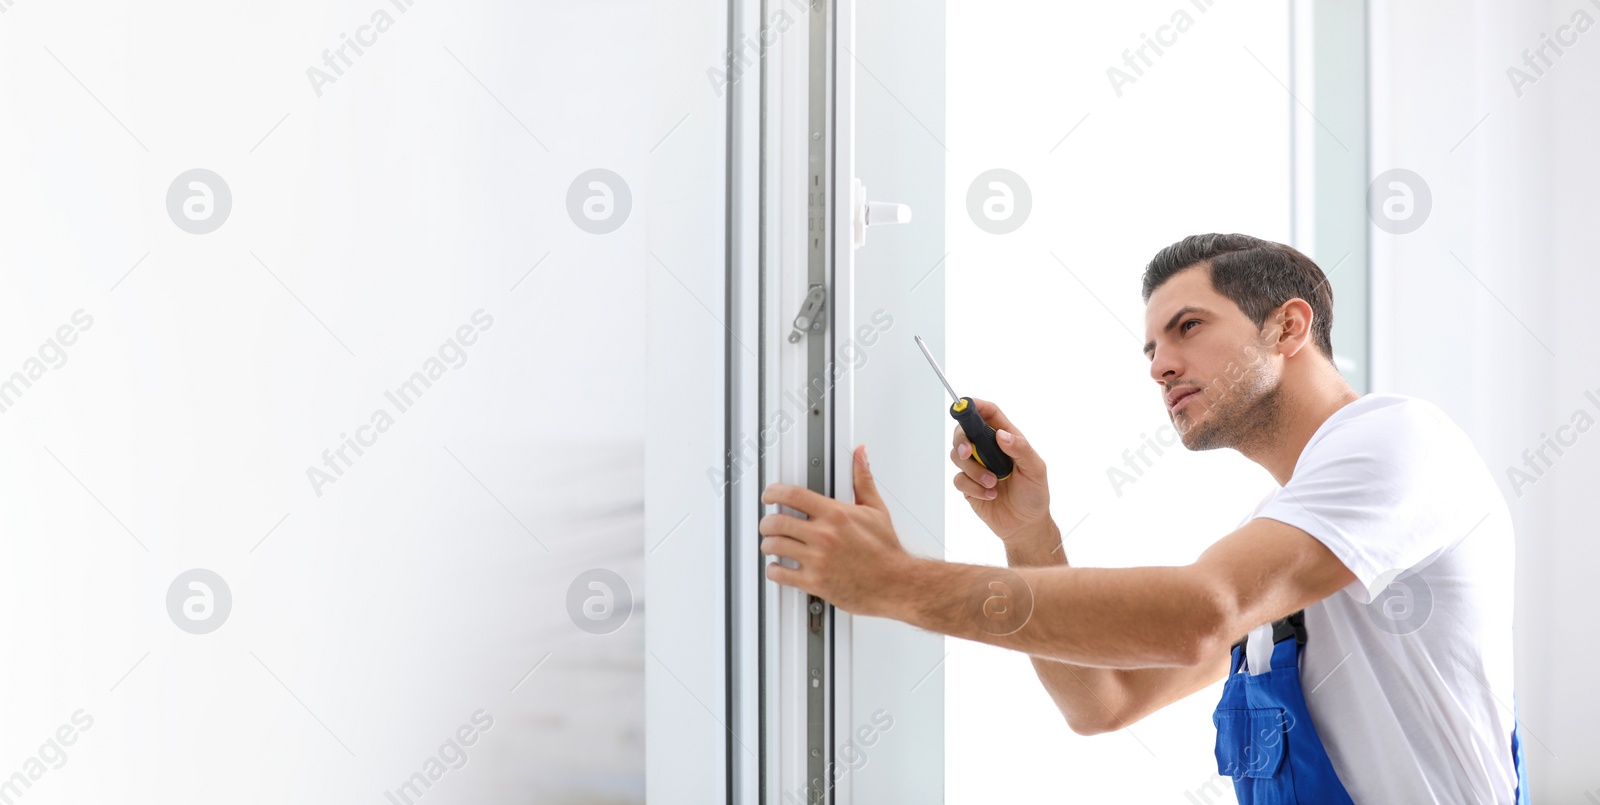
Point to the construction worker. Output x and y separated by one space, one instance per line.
1360 615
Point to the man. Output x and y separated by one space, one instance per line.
1374 586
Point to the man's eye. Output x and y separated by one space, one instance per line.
1184 327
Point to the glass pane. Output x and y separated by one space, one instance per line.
322 373
1123 127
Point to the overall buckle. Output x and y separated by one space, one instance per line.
1282 628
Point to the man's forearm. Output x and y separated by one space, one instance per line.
1086 696
1106 617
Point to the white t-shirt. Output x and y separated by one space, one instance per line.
1408 676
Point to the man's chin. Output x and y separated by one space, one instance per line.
1194 434
1198 441
1185 421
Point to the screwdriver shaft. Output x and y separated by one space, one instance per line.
936 370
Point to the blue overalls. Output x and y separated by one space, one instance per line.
1266 741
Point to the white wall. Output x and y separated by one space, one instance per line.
1487 311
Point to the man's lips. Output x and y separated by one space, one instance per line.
1176 397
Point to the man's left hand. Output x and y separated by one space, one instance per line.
849 555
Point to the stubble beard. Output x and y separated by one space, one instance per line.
1244 413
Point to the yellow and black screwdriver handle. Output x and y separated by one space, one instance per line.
984 447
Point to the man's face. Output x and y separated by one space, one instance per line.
1203 346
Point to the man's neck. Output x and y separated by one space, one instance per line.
1319 397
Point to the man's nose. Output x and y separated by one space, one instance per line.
1164 365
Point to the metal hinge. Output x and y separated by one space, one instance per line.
810 318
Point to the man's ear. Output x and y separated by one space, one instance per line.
1292 321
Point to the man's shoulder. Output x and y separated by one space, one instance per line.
1389 406
1394 447
1395 421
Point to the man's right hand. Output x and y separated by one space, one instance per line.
1018 505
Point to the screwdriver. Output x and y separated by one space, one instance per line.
965 412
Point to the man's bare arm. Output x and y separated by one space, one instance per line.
1130 617
1092 699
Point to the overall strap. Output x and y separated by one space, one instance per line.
1283 653
1522 795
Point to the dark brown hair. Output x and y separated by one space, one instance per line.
1258 275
